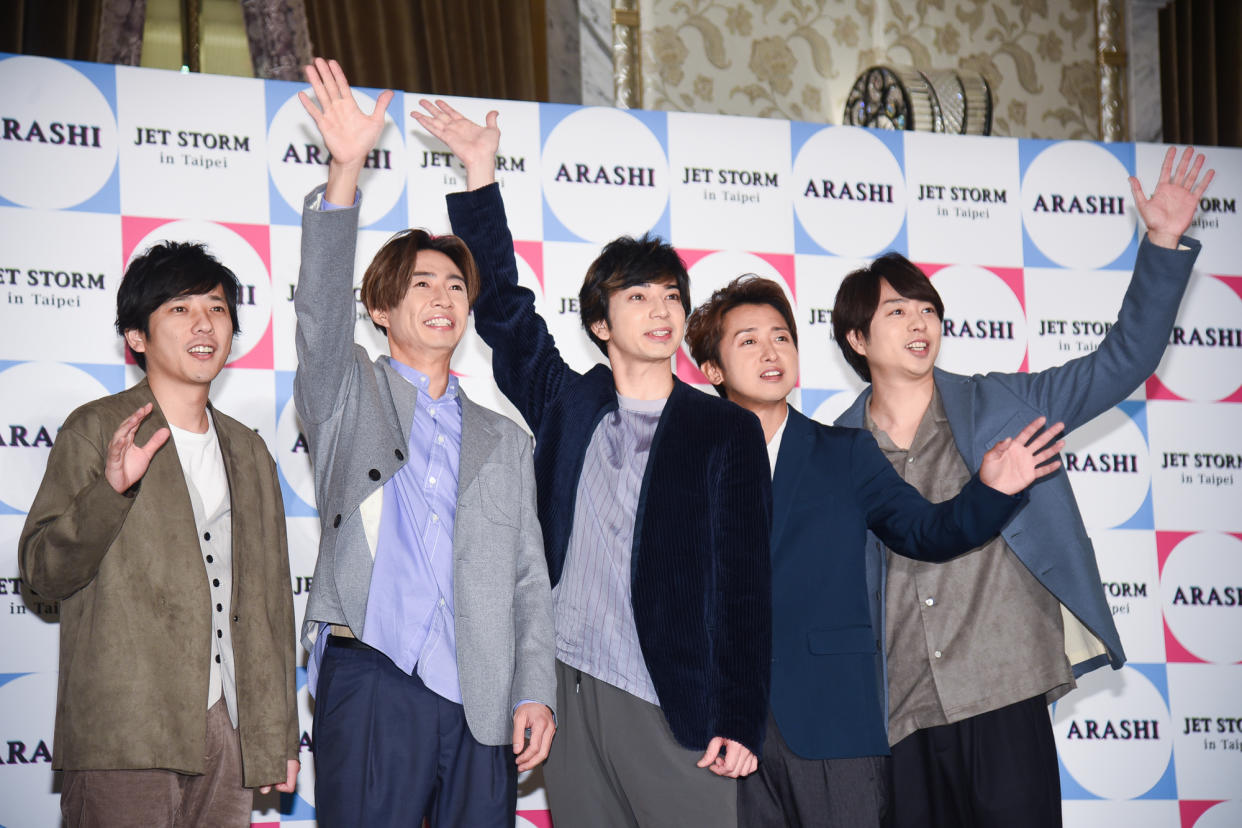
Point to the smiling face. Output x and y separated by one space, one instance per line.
645 324
430 319
758 358
904 338
188 339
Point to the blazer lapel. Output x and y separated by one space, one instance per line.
955 396
478 441
791 463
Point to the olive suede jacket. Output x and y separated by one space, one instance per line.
135 605
699 568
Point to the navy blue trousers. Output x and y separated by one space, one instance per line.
389 752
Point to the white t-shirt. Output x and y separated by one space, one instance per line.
203 466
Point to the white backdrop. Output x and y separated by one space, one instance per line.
1030 243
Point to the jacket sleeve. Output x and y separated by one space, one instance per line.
534 675
1083 388
75 517
283 597
325 308
912 526
741 524
528 368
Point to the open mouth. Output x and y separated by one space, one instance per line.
918 347
772 374
661 334
202 350
439 322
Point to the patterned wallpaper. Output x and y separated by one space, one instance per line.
798 59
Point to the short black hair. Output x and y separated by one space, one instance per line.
623 263
164 271
859 296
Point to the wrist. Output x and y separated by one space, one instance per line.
1169 240
479 174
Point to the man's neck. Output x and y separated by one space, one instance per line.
771 416
642 380
184 405
434 366
897 405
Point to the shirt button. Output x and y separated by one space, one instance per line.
937 654
431 480
930 601
219 633
215 582
435 518
217 659
909 459
441 602
207 536
219 607
440 439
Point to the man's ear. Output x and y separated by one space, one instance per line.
857 341
136 341
713 373
600 329
379 317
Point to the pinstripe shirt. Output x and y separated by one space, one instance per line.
595 630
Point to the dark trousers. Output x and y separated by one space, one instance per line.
615 764
994 770
789 791
390 752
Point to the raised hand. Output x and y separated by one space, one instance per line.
127 462
1172 205
473 143
348 133
1016 462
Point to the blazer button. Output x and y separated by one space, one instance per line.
374 474
236 618
397 452
336 521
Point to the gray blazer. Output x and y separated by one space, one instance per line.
357 415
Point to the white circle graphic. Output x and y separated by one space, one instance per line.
1201 585
60 136
298 160
984 328
604 174
27 715
1222 815
254 305
473 358
832 407
1108 464
37 397
293 454
851 194
716 270
1114 733
1076 205
1204 359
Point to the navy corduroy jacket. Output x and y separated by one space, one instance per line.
700 572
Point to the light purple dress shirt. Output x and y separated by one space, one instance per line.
410 605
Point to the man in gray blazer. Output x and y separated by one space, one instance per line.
430 618
978 646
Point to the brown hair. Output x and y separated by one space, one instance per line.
387 278
623 263
859 296
705 327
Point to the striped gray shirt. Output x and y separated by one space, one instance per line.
595 630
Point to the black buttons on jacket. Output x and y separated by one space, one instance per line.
236 618
215 582
219 633
374 474
210 559
217 659
397 452
219 607
336 521
207 536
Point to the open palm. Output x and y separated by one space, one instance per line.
348 133
1169 210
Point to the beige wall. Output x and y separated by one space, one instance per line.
798 59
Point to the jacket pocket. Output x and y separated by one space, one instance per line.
831 640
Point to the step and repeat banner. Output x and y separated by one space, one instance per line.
1030 243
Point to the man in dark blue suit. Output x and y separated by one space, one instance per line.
978 647
655 504
825 761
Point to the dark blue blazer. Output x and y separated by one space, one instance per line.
700 570
831 486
